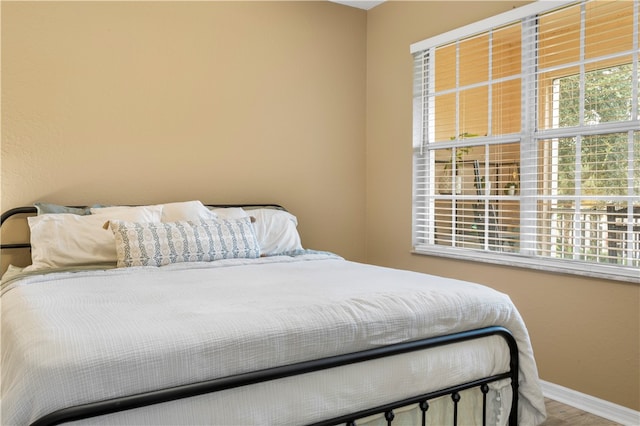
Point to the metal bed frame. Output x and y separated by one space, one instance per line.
185 391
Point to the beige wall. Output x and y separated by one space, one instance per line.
225 102
302 103
585 332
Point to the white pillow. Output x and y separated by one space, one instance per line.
63 240
229 212
158 244
186 210
150 213
170 212
276 231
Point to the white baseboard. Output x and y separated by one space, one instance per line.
599 407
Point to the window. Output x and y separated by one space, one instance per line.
527 140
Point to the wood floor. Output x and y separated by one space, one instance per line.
559 414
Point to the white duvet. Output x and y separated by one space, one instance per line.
70 338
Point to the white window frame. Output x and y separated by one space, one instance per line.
424 206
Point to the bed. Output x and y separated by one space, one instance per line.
186 313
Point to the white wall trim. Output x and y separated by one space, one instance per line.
599 407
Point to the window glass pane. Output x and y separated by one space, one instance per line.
453 176
608 28
550 221
636 167
559 37
563 176
604 164
556 224
484 185
470 232
607 94
506 46
566 101
623 234
445 67
444 222
445 117
474 114
590 232
504 209
508 212
559 94
467 158
557 166
506 107
474 60
505 168
444 173
564 171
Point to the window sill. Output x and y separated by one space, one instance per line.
609 272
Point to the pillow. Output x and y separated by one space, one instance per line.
158 244
63 240
149 213
170 212
187 210
276 231
48 208
229 212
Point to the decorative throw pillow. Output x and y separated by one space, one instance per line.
158 244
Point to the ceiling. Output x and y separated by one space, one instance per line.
360 4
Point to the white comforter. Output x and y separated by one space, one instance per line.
75 337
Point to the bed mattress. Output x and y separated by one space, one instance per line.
73 337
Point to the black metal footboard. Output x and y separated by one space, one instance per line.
186 391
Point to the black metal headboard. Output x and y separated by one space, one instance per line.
13 212
32 210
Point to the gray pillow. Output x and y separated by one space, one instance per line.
47 208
